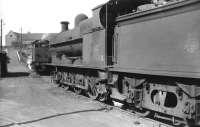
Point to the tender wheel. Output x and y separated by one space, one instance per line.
92 92
77 90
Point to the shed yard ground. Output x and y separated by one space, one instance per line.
35 102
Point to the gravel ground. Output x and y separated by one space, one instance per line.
35 102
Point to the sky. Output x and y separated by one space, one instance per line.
42 16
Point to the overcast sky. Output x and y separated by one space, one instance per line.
43 15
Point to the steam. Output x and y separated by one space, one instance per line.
45 36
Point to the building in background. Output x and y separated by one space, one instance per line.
23 42
14 38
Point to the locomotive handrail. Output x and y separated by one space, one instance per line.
74 41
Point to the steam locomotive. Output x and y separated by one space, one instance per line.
141 53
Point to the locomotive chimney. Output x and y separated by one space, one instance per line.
64 26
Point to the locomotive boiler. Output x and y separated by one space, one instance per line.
142 53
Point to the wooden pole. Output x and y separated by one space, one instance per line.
1 35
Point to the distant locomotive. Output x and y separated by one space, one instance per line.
141 53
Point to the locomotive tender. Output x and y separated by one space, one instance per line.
138 52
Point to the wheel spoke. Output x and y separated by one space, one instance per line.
92 92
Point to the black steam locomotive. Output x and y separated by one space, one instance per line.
143 53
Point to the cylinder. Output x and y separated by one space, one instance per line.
64 26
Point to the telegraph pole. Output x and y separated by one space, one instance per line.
21 34
21 38
1 35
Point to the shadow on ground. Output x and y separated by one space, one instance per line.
17 74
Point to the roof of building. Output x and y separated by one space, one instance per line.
28 37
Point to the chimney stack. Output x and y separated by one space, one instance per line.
64 26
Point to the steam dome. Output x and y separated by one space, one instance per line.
80 18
